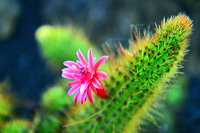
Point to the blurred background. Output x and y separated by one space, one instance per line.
29 74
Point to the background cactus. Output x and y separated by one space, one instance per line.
6 107
59 43
46 123
138 80
16 126
55 99
176 93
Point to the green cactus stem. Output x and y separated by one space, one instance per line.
59 43
55 99
6 106
137 81
46 123
16 126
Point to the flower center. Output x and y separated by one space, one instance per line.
82 70
86 74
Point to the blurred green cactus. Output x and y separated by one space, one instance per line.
176 92
6 107
137 81
16 126
59 43
55 99
47 124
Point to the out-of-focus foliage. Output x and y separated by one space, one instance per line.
47 124
16 126
9 12
5 106
176 92
60 43
55 99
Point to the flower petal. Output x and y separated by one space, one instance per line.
86 77
67 75
81 57
90 59
70 63
83 96
102 93
90 97
71 70
73 89
100 61
102 74
83 87
96 83
77 96
93 88
77 76
73 82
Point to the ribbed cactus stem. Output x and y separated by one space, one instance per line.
138 80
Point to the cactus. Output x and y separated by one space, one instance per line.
137 81
176 93
59 43
46 124
6 107
55 99
16 126
54 104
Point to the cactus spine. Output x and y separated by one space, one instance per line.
138 80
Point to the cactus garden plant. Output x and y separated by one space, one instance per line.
58 43
129 87
137 81
16 126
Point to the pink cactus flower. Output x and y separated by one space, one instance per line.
85 77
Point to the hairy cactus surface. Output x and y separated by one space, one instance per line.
137 81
